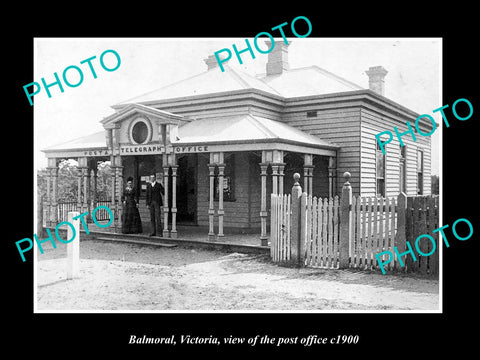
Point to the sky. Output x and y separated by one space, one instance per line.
414 68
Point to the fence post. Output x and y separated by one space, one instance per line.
73 247
295 221
345 223
400 237
40 216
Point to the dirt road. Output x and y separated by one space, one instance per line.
117 276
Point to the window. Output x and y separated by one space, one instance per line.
228 180
380 172
140 132
419 172
402 176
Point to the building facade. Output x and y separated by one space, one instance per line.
222 142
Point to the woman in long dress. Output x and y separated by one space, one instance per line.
131 222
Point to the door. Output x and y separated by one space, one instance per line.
144 167
187 190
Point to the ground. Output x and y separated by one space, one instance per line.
119 276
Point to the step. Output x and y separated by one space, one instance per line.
135 241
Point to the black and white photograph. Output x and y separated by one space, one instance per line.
218 181
238 175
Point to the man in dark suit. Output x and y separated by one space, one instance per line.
155 192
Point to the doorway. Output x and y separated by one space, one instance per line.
186 193
187 189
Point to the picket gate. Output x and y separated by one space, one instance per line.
373 230
280 217
322 231
349 231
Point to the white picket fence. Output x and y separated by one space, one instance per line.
372 230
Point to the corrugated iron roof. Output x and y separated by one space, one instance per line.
306 81
208 82
92 141
244 129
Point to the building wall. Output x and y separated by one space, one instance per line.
226 104
353 127
242 212
349 123
202 190
375 121
254 184
339 125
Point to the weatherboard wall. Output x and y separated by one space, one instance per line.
335 123
375 121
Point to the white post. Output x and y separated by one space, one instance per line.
280 178
73 247
166 208
211 208
220 212
263 205
173 232
274 179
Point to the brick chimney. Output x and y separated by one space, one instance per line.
376 74
212 63
277 58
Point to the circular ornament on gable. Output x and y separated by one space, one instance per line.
140 131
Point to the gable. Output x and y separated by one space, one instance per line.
138 124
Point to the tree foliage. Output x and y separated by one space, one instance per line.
67 181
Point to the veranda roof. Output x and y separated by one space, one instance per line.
246 128
231 131
93 141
